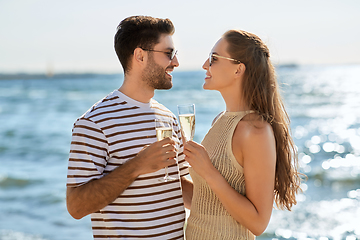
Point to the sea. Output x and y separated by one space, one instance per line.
37 114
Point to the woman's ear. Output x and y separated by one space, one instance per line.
240 69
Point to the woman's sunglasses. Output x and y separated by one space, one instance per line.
213 56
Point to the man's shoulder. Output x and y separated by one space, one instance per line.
158 106
162 110
110 102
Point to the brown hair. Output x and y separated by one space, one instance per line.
261 92
139 31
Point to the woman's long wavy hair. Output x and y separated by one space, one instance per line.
261 92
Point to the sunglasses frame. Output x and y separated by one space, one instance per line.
216 55
171 54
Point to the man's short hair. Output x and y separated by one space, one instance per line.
139 31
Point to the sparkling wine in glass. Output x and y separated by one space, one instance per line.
187 122
164 130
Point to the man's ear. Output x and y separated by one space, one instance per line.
139 55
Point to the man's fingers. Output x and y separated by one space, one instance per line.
170 154
145 147
170 162
168 148
166 141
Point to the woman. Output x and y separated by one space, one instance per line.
247 159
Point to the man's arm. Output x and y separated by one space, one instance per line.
96 194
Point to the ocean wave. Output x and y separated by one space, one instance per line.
13 182
12 235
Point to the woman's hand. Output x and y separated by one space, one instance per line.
198 158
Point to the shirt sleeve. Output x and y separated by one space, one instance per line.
88 153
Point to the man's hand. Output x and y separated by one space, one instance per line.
155 156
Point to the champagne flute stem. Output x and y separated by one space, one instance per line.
166 172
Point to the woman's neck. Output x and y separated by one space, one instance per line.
234 101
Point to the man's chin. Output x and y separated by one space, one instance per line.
165 86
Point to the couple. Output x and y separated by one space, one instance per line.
244 164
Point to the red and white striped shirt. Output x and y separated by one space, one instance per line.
113 131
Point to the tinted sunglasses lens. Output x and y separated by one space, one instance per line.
210 59
173 54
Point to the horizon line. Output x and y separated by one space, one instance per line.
23 73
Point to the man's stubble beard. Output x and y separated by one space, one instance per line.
154 75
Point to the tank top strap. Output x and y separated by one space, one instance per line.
243 113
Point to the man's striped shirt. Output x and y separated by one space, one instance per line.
113 131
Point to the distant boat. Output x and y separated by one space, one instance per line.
49 71
288 65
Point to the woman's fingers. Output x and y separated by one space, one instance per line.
190 146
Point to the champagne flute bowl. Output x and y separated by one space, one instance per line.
164 130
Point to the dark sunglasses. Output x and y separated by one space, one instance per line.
213 56
171 54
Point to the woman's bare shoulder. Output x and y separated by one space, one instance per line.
253 130
253 125
250 135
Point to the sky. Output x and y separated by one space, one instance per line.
37 36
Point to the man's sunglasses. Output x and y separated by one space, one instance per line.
171 54
213 56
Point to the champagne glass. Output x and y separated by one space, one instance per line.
164 130
187 122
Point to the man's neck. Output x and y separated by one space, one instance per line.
136 89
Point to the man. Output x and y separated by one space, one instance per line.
115 159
